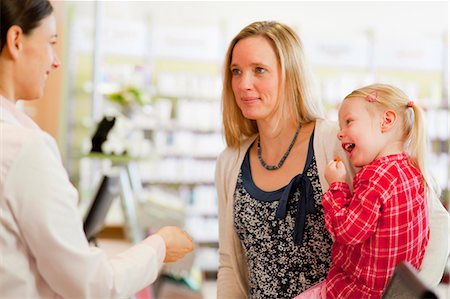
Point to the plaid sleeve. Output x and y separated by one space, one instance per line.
352 218
337 196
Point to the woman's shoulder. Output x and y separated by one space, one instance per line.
16 137
326 126
24 144
234 151
231 156
325 134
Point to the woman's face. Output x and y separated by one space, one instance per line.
36 59
255 77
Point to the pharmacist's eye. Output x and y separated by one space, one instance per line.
260 70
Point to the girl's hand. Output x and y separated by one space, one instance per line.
335 171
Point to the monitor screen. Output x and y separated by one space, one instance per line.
94 221
405 284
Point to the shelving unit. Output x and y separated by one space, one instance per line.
187 141
186 87
181 75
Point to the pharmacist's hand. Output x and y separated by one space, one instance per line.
178 243
335 171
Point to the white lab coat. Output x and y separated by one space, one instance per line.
43 250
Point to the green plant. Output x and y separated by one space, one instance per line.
127 96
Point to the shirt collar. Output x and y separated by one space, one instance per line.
390 158
9 113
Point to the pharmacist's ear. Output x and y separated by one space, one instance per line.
388 121
14 41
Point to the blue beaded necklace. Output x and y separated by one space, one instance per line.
279 164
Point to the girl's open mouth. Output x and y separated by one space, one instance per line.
348 147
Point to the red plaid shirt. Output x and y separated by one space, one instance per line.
384 222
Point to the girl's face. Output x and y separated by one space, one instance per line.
360 133
36 59
255 78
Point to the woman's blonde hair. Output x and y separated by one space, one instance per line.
412 124
295 82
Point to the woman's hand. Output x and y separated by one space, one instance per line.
178 243
335 171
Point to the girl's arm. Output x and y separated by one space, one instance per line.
352 218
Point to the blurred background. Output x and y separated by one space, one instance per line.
155 67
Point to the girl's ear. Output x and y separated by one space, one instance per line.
14 40
389 119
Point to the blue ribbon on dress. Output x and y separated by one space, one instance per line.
305 204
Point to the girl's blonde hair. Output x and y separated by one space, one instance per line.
295 82
412 124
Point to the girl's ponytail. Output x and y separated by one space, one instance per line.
417 145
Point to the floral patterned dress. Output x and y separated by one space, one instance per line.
282 232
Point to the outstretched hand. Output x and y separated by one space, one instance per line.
335 171
178 243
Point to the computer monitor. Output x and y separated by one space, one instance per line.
405 284
94 221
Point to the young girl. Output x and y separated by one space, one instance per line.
384 221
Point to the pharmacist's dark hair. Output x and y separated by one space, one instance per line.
27 14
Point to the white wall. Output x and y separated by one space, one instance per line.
405 17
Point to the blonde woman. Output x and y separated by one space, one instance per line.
270 179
